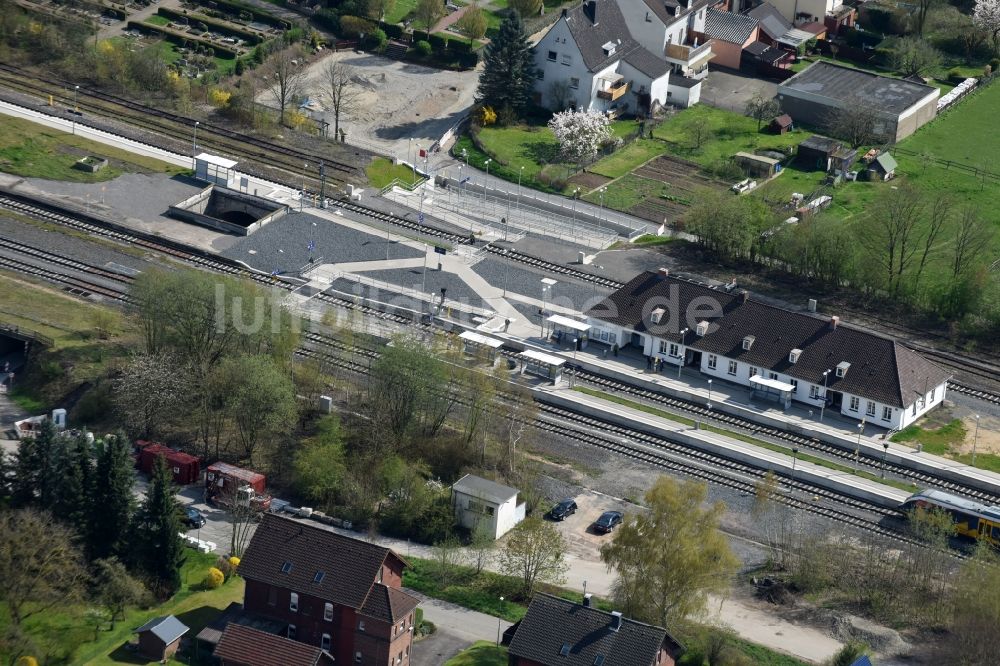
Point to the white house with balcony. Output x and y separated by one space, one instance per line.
725 334
589 60
669 29
483 504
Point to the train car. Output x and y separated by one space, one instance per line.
971 519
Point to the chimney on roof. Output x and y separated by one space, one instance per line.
616 621
586 600
564 12
744 296
663 272
590 10
834 320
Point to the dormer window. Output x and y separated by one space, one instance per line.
701 329
793 356
842 368
609 48
286 567
748 342
657 315
564 650
318 578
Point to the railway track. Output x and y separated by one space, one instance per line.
70 284
552 267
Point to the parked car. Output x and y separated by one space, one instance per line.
194 518
608 521
563 509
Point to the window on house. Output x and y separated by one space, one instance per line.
357 657
541 74
293 602
399 658
887 413
870 410
753 371
732 367
328 612
814 392
361 625
574 82
670 39
552 56
406 651
286 567
318 578
663 346
291 631
773 375
914 409
490 510
379 579
931 398
712 361
855 403
567 59
324 642
795 385
648 19
675 350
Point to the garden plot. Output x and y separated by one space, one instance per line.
660 190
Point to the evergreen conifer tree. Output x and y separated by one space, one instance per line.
157 528
508 69
112 500
70 463
33 482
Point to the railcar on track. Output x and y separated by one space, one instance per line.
971 519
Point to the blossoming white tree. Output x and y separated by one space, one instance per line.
580 133
986 16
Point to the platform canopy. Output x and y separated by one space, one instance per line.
479 339
569 323
215 160
773 384
541 357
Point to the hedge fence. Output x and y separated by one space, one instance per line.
180 38
214 24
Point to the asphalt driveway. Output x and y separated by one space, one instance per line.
726 89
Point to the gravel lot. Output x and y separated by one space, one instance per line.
522 280
284 244
412 278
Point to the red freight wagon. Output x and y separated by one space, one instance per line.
184 467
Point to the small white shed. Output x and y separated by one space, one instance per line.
480 502
215 169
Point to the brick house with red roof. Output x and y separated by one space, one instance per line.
245 646
339 594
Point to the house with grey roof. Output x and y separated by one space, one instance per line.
730 34
560 632
772 24
669 29
725 334
589 60
483 504
817 93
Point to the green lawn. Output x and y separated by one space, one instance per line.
725 134
400 9
463 587
65 634
629 157
382 171
628 191
157 20
650 240
482 653
31 150
967 134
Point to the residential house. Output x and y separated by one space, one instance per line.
330 591
160 637
483 504
587 60
816 93
245 646
559 632
669 29
730 34
772 24
727 335
835 12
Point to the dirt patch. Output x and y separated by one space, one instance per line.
683 179
589 181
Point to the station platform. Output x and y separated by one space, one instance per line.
711 442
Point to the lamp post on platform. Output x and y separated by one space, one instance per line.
857 447
680 361
76 105
194 143
822 408
975 441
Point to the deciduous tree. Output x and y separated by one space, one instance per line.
260 401
891 234
986 16
976 614
526 8
428 12
913 56
580 133
116 589
319 464
854 122
473 21
151 392
508 76
340 91
670 558
535 552
39 564
761 108
159 548
283 76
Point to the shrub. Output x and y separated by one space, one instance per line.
423 48
219 98
222 564
956 75
214 578
485 116
352 26
393 30
995 64
419 36
438 42
377 41
459 46
234 562
26 661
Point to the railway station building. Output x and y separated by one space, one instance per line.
813 360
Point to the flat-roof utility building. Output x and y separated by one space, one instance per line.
816 93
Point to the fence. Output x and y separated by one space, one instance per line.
948 164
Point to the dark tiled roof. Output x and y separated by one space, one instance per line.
784 120
771 22
610 26
350 566
663 9
647 63
847 85
729 27
388 604
756 48
251 647
880 368
552 623
823 144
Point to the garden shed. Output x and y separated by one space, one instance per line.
817 151
757 166
781 125
883 167
160 637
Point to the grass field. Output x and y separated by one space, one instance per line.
967 134
157 20
382 171
482 653
67 636
634 154
399 10
36 151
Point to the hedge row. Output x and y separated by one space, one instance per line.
218 26
180 38
233 7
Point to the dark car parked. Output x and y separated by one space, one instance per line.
608 521
563 510
194 518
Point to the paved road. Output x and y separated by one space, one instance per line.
457 628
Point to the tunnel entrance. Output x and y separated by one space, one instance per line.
228 210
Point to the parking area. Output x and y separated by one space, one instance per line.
578 529
217 528
727 89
